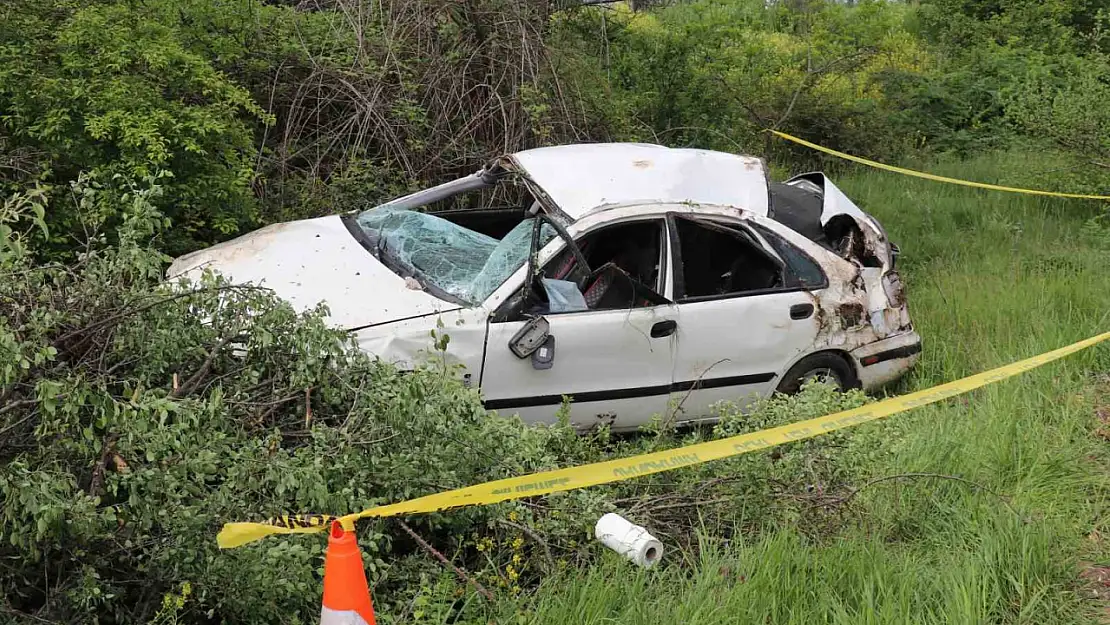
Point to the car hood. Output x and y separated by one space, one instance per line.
315 261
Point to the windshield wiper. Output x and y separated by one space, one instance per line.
382 246
410 272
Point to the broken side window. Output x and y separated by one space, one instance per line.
718 260
460 240
625 266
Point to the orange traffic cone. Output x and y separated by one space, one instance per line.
346 594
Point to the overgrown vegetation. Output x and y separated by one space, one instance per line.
136 417
259 112
139 417
988 508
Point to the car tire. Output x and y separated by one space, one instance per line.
827 365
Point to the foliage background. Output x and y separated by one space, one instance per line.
134 131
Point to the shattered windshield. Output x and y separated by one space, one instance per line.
445 256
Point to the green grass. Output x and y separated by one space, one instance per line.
992 278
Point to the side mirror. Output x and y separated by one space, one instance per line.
530 337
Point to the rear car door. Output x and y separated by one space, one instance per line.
744 314
613 358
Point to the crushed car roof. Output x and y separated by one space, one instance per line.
582 178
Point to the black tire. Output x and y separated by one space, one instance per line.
830 366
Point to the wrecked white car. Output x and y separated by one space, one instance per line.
636 280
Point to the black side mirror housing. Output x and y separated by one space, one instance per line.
529 338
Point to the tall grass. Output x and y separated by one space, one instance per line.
992 277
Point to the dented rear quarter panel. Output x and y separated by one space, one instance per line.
853 311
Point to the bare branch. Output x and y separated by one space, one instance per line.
195 380
439 556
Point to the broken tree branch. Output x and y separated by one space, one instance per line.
273 406
12 405
195 380
307 407
17 423
27 615
108 445
439 556
141 309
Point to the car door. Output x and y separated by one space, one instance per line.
743 314
614 363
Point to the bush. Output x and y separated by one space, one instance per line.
137 418
370 101
105 90
1063 99
268 112
716 73
1014 71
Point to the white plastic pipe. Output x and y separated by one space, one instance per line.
629 540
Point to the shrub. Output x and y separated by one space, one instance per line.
1063 99
138 417
105 90
716 73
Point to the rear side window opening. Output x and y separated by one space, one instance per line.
717 261
802 270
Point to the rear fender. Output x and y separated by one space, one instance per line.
884 298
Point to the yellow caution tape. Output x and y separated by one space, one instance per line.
236 534
921 174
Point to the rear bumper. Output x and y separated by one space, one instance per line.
883 362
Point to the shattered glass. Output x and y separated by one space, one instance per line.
465 264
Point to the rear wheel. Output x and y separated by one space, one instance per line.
827 367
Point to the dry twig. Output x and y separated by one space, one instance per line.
439 556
